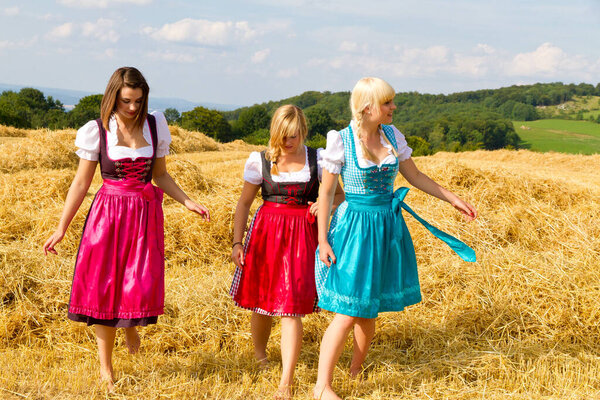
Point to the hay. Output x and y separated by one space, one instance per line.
521 323
9 131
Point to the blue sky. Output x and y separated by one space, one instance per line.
245 52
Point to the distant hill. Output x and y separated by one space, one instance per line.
71 97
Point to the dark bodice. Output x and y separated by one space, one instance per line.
139 169
290 192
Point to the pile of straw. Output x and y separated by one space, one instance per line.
521 323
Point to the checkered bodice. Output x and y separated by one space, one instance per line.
370 180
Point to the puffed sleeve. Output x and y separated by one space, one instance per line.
253 169
88 141
404 151
332 158
163 133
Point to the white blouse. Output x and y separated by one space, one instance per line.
253 170
333 156
88 140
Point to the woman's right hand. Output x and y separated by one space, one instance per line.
326 254
56 237
237 255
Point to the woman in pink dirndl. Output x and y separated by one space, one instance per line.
119 270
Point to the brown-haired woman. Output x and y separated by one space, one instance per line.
119 271
275 267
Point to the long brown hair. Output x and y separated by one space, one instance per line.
124 77
287 121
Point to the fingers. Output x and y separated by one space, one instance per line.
314 207
237 256
332 257
201 210
326 255
49 245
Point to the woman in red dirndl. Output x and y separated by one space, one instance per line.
119 271
275 266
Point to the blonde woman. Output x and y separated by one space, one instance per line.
275 265
118 280
366 262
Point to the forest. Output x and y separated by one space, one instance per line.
471 120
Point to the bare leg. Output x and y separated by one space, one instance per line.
364 330
291 342
132 340
105 336
332 346
260 327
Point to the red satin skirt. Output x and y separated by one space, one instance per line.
119 270
278 275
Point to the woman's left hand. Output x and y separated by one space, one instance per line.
198 209
465 208
314 207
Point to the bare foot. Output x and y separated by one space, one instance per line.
132 340
284 392
107 378
356 373
263 363
324 393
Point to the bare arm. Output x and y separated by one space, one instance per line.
77 191
327 192
240 220
164 181
409 170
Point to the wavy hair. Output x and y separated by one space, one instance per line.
124 77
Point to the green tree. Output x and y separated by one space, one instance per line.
87 109
259 137
14 110
318 121
252 119
172 116
419 146
317 141
209 122
436 138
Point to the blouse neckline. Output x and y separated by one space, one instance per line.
306 166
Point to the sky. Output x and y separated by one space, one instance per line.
247 52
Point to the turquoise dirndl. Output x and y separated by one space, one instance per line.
376 268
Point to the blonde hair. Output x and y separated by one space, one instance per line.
287 121
124 77
370 92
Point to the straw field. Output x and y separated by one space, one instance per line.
521 323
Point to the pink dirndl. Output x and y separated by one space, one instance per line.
119 270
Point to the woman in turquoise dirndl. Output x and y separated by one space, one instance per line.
366 260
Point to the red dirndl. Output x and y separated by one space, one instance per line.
278 275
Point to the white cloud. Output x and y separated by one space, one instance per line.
204 32
101 3
11 11
348 46
548 60
24 43
470 65
485 48
62 31
100 30
260 55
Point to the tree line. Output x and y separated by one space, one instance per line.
469 120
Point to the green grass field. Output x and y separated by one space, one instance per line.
565 136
